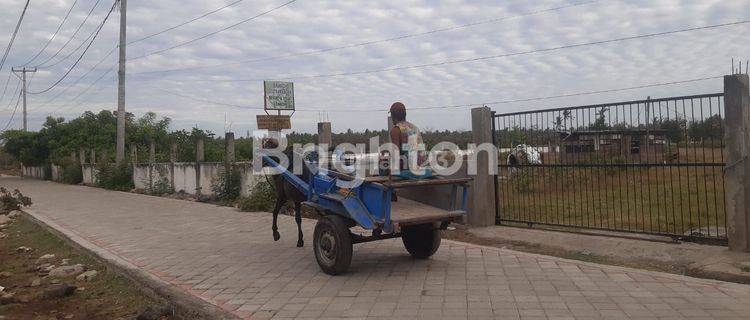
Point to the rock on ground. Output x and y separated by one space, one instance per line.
45 258
4 219
67 271
5 274
14 214
87 276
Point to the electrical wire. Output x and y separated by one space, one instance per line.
68 86
15 33
101 25
371 42
214 32
504 55
17 89
462 105
70 103
185 23
135 41
5 87
12 115
53 35
42 64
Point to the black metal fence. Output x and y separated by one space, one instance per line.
650 166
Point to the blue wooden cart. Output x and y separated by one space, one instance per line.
370 206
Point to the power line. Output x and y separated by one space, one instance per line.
13 114
42 64
5 87
135 41
567 95
505 55
185 23
15 32
70 103
371 42
67 87
101 25
17 91
214 32
53 35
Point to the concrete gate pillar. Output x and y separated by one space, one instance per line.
199 157
483 209
737 170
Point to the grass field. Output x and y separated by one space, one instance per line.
663 199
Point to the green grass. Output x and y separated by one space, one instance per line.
655 199
108 296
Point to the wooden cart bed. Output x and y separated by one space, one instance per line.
407 212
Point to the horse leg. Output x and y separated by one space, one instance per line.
298 219
279 202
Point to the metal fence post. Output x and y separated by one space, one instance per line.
737 170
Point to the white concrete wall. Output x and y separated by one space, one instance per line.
89 174
33 172
55 172
184 177
141 176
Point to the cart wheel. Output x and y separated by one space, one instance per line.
421 240
332 244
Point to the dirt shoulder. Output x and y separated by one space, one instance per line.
54 288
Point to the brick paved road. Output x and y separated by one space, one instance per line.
228 258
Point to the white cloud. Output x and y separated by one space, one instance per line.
312 25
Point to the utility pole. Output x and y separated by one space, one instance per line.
120 148
23 72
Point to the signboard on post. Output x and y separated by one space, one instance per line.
278 95
273 122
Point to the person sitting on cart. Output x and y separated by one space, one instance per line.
408 139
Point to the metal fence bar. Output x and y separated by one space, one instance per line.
648 166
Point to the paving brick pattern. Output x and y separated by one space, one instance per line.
228 258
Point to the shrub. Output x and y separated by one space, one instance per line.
12 201
160 186
70 172
115 177
262 198
226 186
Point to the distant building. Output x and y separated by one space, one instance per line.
622 142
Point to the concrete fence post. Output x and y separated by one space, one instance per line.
81 156
737 170
229 147
483 209
199 157
92 159
133 153
151 162
172 160
324 134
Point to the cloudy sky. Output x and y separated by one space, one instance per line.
219 76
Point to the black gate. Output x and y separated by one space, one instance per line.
652 166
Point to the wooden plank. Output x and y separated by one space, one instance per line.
405 212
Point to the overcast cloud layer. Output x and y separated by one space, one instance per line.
309 25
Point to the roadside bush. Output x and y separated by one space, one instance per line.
70 172
115 177
262 198
160 186
10 201
226 186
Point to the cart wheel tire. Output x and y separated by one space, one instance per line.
332 244
421 240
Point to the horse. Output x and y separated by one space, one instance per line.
285 191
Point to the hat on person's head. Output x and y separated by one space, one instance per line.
397 106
